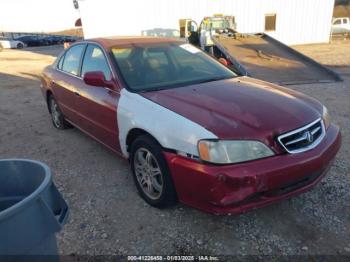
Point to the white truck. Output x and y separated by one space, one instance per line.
209 27
10 43
212 26
224 35
341 25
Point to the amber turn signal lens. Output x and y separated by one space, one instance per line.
204 151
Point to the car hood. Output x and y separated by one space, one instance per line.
241 108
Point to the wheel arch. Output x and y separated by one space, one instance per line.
19 45
134 133
48 95
170 197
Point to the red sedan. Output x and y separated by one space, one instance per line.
192 129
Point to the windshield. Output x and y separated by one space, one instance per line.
162 66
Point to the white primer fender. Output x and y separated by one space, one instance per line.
170 129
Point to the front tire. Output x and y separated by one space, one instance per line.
58 119
151 173
20 46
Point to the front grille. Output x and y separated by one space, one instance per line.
304 138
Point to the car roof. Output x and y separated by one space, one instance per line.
109 42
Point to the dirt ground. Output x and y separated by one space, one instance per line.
107 215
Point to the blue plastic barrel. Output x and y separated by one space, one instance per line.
31 209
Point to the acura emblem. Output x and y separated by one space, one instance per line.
309 137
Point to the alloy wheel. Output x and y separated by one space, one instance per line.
56 114
148 173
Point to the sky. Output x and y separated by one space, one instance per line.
37 15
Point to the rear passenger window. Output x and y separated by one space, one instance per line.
71 60
95 60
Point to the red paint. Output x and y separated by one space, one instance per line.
92 109
241 108
97 79
108 43
227 189
97 112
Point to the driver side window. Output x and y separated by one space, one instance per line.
95 60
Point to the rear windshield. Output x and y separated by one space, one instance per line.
163 66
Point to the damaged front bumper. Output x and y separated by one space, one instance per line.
237 188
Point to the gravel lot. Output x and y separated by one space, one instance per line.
107 215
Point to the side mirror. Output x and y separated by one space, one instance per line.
96 78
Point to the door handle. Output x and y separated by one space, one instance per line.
76 93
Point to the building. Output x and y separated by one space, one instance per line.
289 21
342 10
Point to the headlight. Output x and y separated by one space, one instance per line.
229 152
326 118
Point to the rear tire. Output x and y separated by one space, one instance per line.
58 119
151 173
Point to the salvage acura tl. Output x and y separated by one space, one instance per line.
191 129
